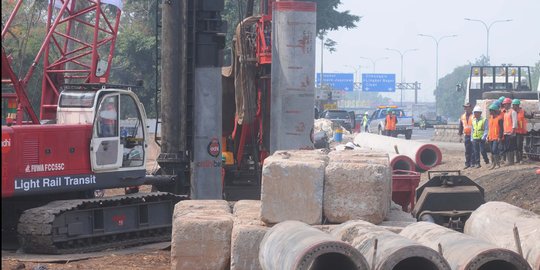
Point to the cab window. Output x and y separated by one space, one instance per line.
108 117
131 132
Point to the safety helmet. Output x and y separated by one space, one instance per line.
501 99
516 102
494 107
366 112
477 109
507 101
497 102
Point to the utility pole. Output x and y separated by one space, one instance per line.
488 27
437 40
401 54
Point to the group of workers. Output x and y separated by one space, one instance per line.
504 130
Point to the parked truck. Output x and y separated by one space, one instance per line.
404 123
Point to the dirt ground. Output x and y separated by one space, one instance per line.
518 185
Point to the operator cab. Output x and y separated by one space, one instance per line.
118 126
496 78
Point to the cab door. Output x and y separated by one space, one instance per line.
105 148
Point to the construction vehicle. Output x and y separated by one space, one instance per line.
492 82
91 135
447 199
487 83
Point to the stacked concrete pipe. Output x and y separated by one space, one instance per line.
507 226
425 155
464 252
387 250
293 245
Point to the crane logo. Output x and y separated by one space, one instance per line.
6 143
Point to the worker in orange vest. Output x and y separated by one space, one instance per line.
502 151
495 134
390 123
465 128
521 130
510 127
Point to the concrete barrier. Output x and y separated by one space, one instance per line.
357 186
201 235
446 133
292 187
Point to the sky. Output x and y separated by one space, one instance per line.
396 24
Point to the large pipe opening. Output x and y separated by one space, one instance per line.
331 261
428 157
498 265
400 164
417 263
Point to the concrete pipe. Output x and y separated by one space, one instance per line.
425 155
401 162
295 245
464 252
387 250
507 226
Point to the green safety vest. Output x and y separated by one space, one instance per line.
478 126
364 122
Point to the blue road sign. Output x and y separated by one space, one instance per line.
337 81
374 82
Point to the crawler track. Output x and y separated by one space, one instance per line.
86 225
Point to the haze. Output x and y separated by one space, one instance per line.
396 24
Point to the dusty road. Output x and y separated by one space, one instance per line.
518 185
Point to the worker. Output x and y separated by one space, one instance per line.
108 119
479 135
502 110
365 121
465 128
495 134
510 127
521 130
390 123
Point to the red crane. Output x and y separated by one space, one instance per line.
77 48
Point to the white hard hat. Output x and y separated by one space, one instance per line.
366 112
477 109
349 145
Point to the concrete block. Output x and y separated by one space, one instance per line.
357 190
247 212
245 242
360 155
292 189
199 206
201 235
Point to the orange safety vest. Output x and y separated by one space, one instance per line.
467 123
522 122
390 122
508 124
494 129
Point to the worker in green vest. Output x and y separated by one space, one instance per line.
365 121
478 136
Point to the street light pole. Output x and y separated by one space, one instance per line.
401 54
374 62
488 27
